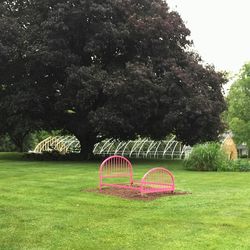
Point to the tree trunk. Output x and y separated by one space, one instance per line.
87 145
18 140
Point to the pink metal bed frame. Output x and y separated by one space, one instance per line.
154 181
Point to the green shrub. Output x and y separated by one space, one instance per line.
240 165
206 157
6 145
57 156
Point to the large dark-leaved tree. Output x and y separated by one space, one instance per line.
108 68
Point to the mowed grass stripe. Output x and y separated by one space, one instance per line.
42 207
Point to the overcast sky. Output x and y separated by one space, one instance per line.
220 30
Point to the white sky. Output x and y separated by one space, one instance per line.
220 30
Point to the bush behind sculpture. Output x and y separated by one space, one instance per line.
206 157
210 157
239 165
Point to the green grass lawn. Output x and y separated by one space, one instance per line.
42 207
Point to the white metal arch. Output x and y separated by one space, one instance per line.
126 147
105 145
96 146
139 148
62 144
168 146
110 147
156 149
173 151
119 146
136 145
152 144
39 146
73 145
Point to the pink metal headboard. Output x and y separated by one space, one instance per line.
114 167
157 180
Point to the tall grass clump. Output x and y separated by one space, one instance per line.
206 157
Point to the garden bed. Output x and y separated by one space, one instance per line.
134 194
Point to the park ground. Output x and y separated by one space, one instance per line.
45 205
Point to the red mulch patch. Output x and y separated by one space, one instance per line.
134 194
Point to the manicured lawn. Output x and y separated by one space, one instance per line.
42 207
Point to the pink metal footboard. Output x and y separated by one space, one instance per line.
115 167
157 180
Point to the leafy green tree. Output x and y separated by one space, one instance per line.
110 68
16 120
238 114
6 144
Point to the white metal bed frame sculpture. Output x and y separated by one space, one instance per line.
63 144
140 148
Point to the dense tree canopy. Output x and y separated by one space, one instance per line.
238 113
105 68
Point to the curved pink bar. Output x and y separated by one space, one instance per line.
157 180
114 167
